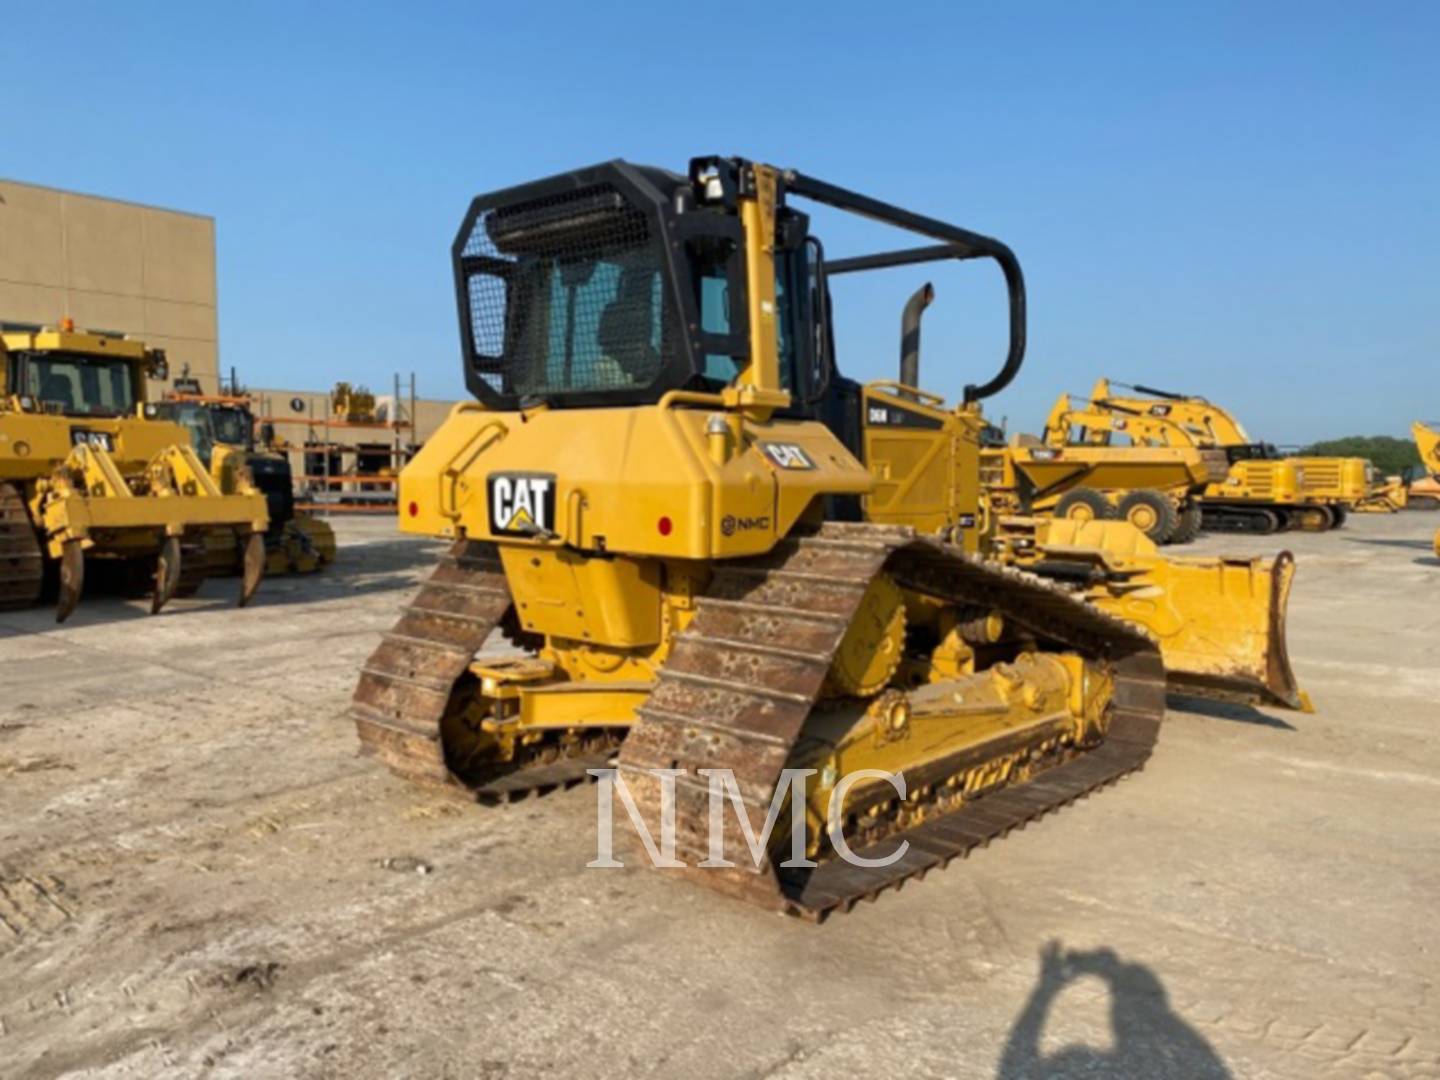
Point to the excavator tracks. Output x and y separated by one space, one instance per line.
22 562
406 684
743 677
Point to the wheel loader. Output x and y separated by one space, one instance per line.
92 483
660 489
1261 491
223 435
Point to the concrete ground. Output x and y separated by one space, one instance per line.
199 877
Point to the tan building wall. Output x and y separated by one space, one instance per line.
118 266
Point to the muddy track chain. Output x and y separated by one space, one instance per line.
22 562
743 677
406 683
741 681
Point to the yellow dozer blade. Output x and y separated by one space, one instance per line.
1220 620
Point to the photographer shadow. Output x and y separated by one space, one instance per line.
1149 1040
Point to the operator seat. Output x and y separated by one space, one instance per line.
624 332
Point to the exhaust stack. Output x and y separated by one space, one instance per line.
910 334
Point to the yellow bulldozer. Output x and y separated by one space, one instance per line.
92 483
226 437
662 491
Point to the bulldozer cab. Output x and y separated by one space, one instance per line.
198 423
618 284
234 425
67 373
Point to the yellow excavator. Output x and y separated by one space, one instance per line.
223 433
1425 490
91 482
661 489
1338 485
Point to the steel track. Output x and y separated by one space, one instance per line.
22 561
739 684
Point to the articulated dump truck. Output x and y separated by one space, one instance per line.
91 483
1259 491
669 494
223 434
1075 471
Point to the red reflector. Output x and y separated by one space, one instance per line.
665 525
414 509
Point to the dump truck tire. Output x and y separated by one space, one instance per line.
1341 514
1085 504
1152 513
1190 525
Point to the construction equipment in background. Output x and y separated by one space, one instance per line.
1220 620
1423 489
223 433
92 484
1071 473
345 462
352 404
660 489
1337 484
1261 491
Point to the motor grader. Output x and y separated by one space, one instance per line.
661 486
223 434
1261 492
91 483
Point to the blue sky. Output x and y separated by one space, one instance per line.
1239 200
